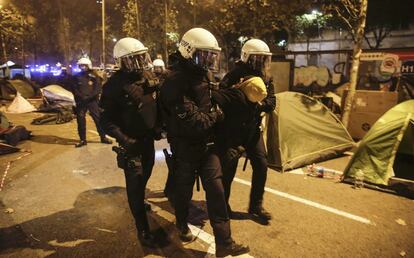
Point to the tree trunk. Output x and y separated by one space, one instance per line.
359 37
137 16
62 34
3 46
307 50
166 31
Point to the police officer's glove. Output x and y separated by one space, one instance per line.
234 153
218 113
135 91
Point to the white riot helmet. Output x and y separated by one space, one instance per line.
85 61
256 53
158 66
131 55
202 47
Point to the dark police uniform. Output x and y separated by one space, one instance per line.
86 89
255 147
131 119
185 98
234 133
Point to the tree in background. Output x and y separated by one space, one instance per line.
352 13
385 16
310 26
64 30
13 26
153 23
235 21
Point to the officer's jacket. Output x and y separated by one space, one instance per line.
86 87
122 116
185 98
239 120
242 70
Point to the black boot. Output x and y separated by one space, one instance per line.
81 143
185 233
147 239
232 249
105 140
260 212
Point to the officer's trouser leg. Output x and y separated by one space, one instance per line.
148 157
93 109
135 186
258 158
136 181
81 121
169 184
211 176
229 171
184 181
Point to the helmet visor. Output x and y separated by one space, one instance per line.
208 59
260 62
137 62
83 67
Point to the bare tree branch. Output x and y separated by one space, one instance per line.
368 42
345 20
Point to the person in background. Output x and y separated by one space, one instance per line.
86 88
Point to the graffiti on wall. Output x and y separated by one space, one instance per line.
306 78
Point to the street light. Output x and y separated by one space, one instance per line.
102 2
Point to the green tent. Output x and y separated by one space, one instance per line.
301 131
387 149
9 89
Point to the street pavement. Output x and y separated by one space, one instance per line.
61 201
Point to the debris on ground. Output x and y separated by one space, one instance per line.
403 253
80 172
106 230
9 210
38 240
319 171
401 222
69 243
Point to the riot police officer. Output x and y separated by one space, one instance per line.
255 61
129 114
158 67
190 118
86 89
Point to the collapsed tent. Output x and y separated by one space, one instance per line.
9 89
56 97
11 135
57 100
20 105
387 149
4 122
301 131
6 148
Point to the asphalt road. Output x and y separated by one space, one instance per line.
69 202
